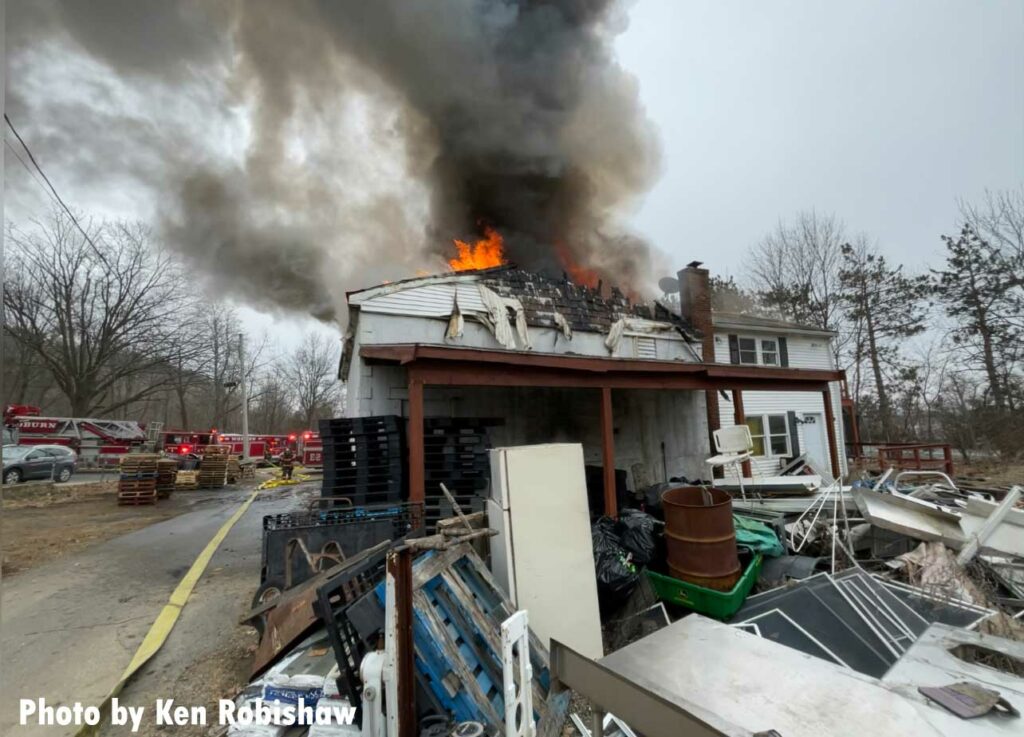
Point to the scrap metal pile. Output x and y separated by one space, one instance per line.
699 611
903 589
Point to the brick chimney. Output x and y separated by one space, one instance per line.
695 305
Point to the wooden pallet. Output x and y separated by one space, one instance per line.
234 470
136 491
166 476
213 471
187 479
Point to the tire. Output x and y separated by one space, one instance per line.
13 476
64 475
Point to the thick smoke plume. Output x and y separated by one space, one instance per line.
373 133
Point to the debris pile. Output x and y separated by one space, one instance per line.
895 602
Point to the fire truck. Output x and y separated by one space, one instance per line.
97 442
308 447
184 442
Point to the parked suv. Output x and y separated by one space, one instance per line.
27 462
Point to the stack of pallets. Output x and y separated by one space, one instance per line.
234 470
213 468
455 454
137 484
166 477
364 459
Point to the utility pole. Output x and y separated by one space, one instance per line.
245 396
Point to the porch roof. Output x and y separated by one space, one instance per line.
451 365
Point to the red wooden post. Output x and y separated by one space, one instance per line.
399 568
917 458
739 416
611 504
417 484
947 455
830 428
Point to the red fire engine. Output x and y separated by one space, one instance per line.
96 441
184 442
308 447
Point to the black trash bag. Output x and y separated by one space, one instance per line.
651 498
637 532
616 575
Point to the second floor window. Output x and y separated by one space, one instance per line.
770 352
748 350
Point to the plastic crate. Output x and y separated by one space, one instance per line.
718 604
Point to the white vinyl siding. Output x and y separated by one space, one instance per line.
803 351
429 300
769 403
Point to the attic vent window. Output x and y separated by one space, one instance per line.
646 348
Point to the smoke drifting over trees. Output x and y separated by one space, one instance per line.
362 136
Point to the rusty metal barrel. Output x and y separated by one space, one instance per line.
700 537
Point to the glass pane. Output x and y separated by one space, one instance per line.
758 446
769 359
777 424
768 345
756 425
748 357
748 344
779 445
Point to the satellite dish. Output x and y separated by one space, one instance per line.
668 284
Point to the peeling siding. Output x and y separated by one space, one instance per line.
432 300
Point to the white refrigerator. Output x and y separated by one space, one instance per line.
543 555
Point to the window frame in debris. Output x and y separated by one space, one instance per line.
764 443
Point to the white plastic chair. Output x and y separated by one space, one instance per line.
734 445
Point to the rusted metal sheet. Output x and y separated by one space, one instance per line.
285 625
701 537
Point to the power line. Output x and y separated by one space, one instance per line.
31 172
50 184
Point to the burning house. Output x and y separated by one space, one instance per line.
547 360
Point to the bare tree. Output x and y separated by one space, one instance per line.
95 311
271 405
311 371
999 220
796 270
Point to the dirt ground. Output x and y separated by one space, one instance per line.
217 675
999 474
39 523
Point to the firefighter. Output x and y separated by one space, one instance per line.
287 463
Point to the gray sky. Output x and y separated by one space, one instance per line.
881 112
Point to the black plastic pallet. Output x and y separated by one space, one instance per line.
361 424
350 444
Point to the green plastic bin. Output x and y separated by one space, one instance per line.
717 604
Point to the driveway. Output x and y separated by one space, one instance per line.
69 628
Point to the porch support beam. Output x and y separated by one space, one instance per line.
830 428
739 417
611 503
417 484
